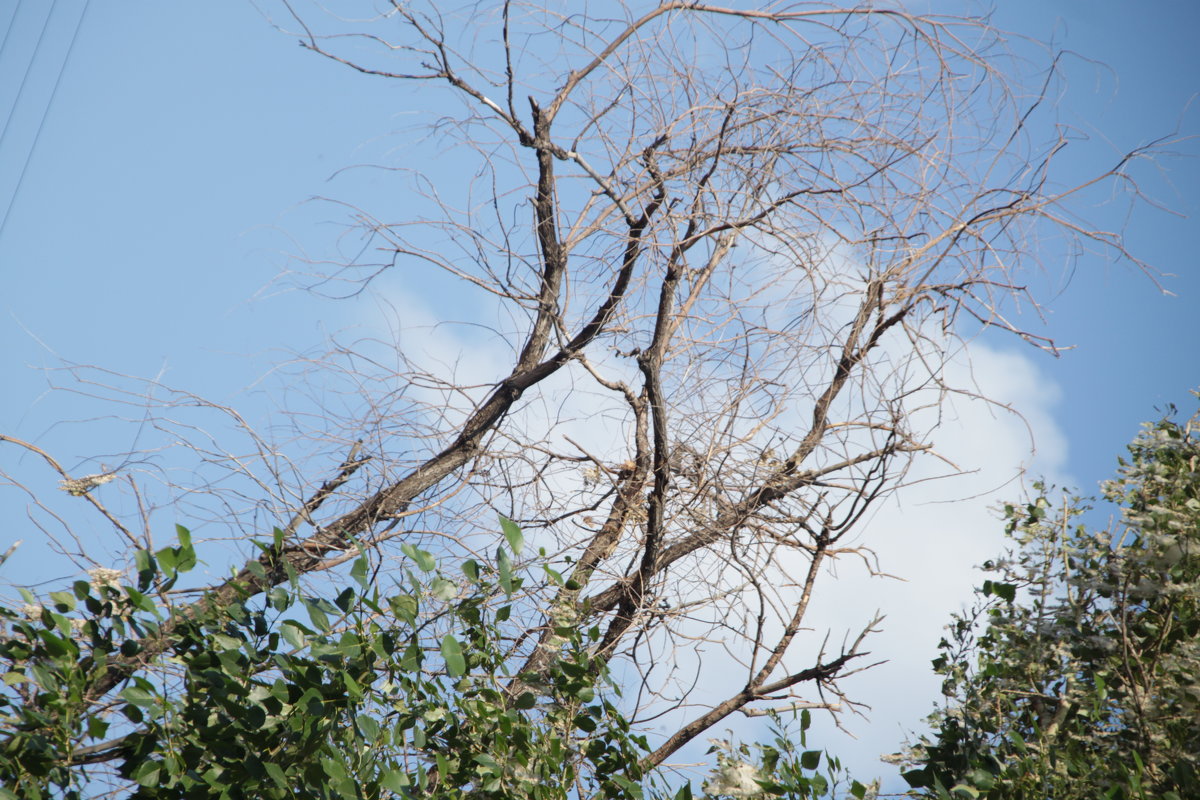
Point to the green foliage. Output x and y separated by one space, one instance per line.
784 768
354 695
1078 674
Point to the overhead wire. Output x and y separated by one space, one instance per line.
49 104
8 31
28 69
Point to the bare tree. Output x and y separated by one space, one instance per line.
726 251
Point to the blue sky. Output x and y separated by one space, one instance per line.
1135 349
155 194
171 170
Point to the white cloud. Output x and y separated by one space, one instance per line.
932 535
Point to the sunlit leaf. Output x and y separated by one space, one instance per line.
452 653
516 540
424 560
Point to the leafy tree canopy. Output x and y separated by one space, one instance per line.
364 693
1077 675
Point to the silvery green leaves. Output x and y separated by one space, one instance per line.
1075 675
781 766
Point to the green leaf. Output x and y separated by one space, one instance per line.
516 540
138 695
452 652
334 769
132 713
368 727
345 600
359 571
56 646
187 554
424 560
981 778
143 560
443 589
168 560
1005 591
280 599
405 607
277 775
394 781
317 615
96 727
504 567
223 643
293 633
631 788
140 601
810 759
684 792
146 773
311 703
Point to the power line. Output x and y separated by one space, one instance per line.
8 31
46 111
25 78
